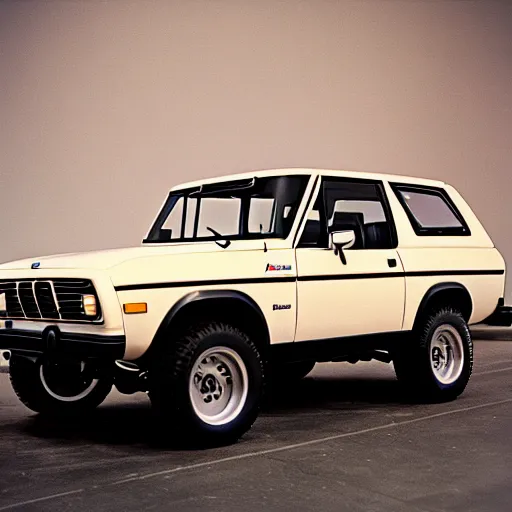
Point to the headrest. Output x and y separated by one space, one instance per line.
377 235
347 218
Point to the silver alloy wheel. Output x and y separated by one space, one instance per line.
218 385
446 354
88 385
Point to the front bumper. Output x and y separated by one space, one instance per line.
52 339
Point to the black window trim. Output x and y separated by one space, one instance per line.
463 230
303 218
381 192
175 195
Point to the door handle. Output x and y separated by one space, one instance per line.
391 262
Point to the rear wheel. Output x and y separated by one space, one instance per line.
436 363
206 387
56 386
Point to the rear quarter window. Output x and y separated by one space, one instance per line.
431 211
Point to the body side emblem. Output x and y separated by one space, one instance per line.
274 268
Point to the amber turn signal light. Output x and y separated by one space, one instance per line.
135 307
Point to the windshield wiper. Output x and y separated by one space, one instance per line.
224 245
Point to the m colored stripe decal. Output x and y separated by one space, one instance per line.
290 279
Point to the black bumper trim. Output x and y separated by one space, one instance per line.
501 317
87 346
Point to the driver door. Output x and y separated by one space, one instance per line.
361 290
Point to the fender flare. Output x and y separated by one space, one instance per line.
201 295
438 288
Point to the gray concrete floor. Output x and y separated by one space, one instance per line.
342 441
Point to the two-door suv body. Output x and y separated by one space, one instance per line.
254 278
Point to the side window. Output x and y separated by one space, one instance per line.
190 215
261 211
220 214
173 221
431 211
349 205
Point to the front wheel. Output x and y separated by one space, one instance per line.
436 363
206 386
50 386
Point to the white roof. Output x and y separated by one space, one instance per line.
289 171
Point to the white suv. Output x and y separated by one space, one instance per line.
256 275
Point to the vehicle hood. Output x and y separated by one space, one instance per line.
106 259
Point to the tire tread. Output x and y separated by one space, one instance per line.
169 391
411 361
26 384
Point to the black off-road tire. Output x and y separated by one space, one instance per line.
412 360
169 380
27 384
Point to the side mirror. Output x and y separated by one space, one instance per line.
342 240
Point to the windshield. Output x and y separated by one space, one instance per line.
235 210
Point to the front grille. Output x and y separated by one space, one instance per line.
48 299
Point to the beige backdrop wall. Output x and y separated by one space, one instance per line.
104 105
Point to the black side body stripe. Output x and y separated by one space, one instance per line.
350 277
455 273
183 284
291 279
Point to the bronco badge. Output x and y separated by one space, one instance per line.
281 306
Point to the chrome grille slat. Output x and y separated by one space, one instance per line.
35 298
55 298
19 300
28 300
13 303
47 303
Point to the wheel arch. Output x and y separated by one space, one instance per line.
446 294
231 306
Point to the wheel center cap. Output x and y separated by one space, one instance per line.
210 388
438 357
